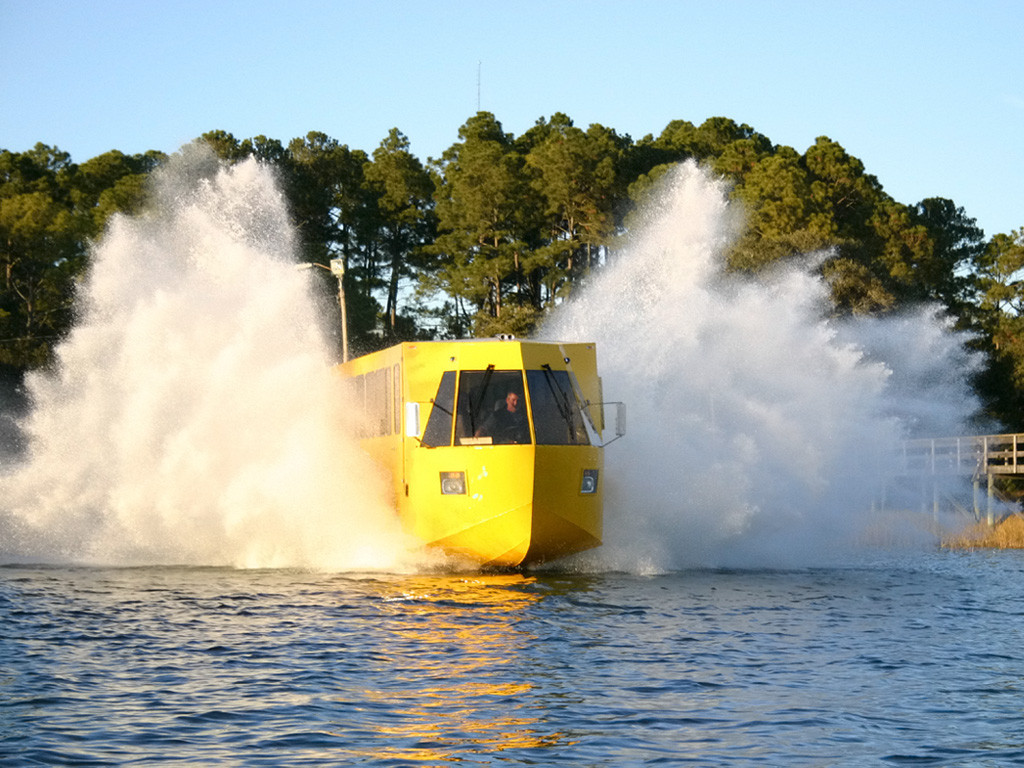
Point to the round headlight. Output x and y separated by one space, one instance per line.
453 483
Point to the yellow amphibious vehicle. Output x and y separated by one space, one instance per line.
494 446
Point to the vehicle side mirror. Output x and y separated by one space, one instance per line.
412 420
620 420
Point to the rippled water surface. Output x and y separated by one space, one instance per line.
901 659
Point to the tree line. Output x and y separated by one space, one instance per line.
491 235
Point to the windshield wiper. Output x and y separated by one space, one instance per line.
474 410
561 399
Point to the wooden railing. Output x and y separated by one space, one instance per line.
973 456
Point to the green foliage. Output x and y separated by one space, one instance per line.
42 247
405 223
958 247
517 319
1001 273
501 229
784 218
224 145
329 201
113 183
574 174
482 207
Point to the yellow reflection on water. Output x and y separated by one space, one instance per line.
449 662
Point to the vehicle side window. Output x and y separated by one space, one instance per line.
439 425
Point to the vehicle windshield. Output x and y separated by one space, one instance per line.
556 412
491 409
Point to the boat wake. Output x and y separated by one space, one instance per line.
191 416
760 432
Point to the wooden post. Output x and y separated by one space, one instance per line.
990 518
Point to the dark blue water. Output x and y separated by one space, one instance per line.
902 659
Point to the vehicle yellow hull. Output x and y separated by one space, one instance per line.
512 504
522 506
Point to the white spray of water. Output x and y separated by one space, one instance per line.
759 432
191 416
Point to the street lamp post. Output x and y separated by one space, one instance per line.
337 269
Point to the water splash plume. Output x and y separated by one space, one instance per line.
191 416
759 431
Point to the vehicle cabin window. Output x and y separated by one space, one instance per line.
396 399
556 411
373 397
378 400
439 424
491 409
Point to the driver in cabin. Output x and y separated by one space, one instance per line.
507 422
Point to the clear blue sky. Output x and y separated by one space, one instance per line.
928 94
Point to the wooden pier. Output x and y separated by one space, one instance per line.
982 457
